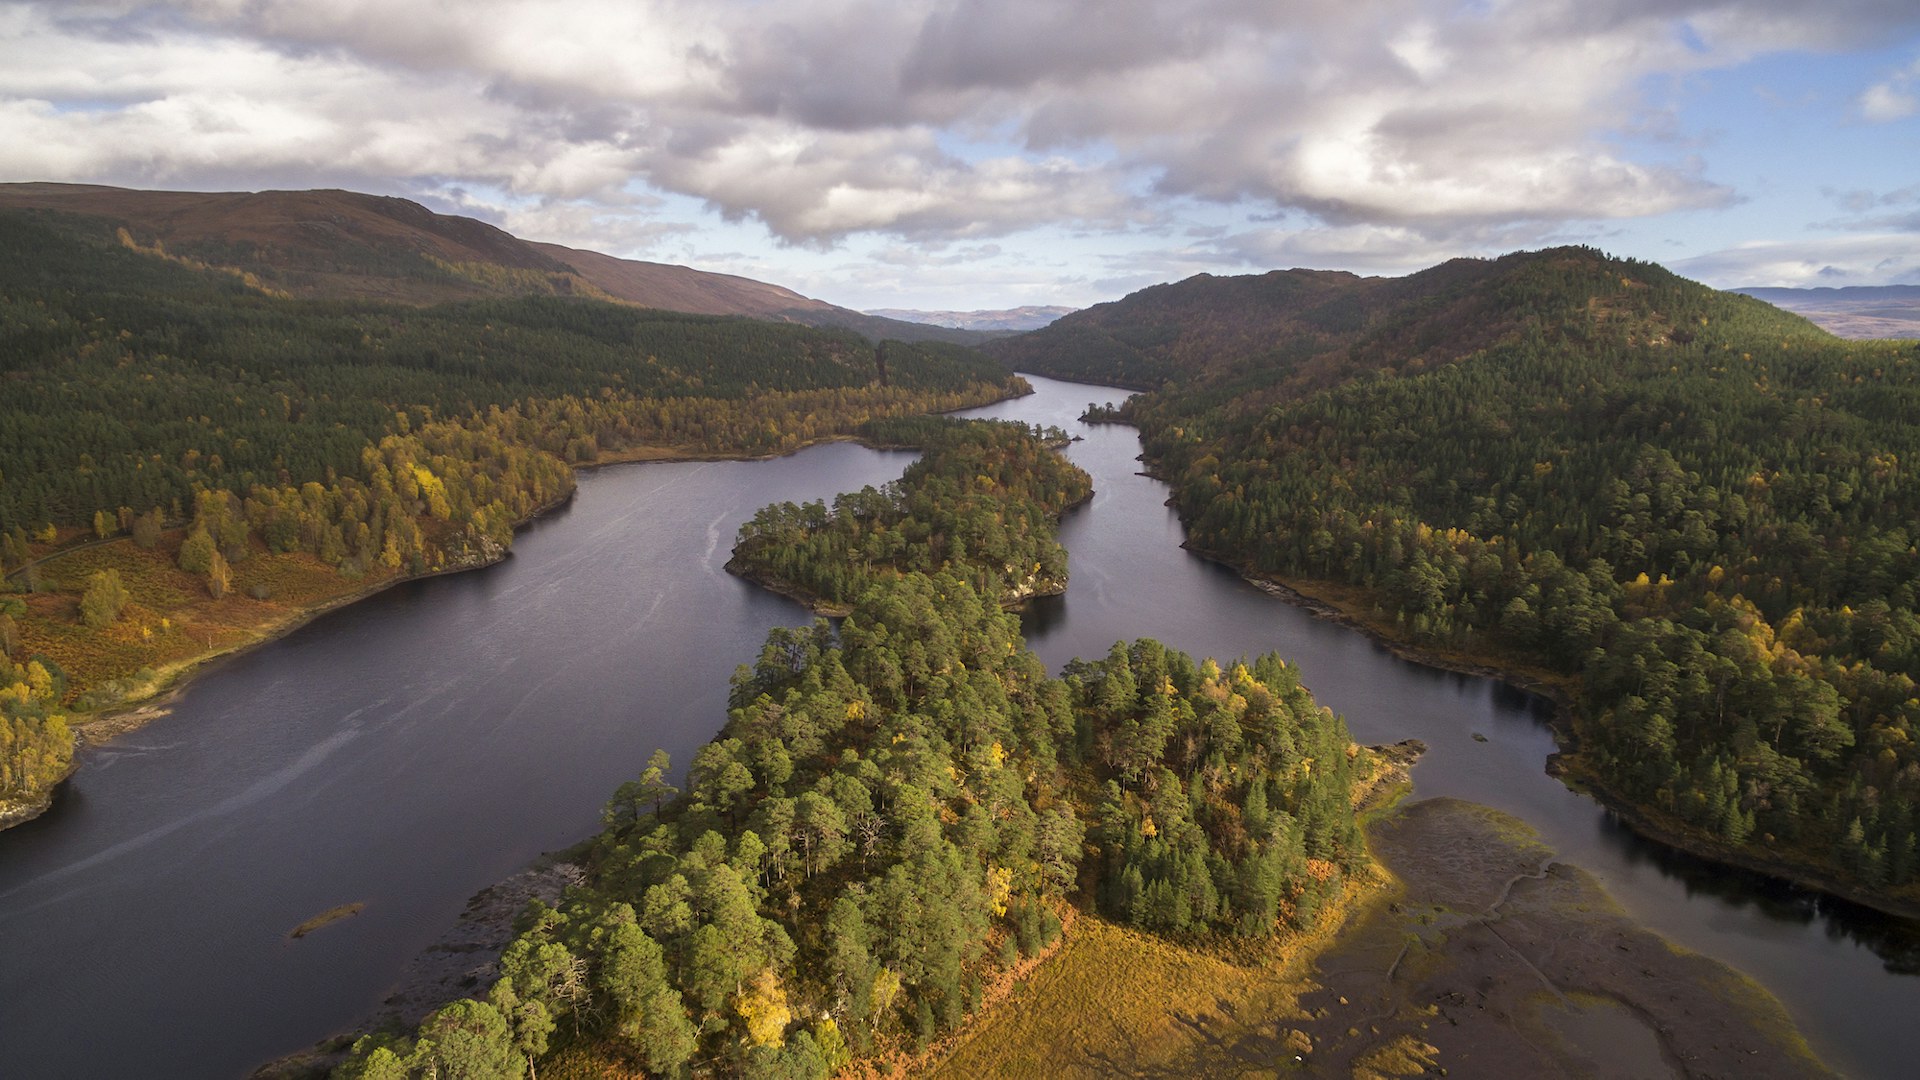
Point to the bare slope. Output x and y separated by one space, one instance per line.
681 288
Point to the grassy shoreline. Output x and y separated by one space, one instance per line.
1497 959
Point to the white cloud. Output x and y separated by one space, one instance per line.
1409 122
1847 260
1893 98
627 232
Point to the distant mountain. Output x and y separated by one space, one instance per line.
1291 331
1015 319
1855 311
330 244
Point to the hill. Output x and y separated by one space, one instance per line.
680 288
1307 329
343 245
1685 509
1856 311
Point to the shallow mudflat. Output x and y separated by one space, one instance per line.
1497 961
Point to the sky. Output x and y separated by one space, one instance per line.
970 154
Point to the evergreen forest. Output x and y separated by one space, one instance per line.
981 502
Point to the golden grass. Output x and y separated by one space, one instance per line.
1118 1001
172 623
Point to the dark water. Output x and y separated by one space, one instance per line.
410 750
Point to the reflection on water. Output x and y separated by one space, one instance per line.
1896 941
1042 615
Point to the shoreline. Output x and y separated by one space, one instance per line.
1567 765
131 716
465 955
1469 948
97 728
21 813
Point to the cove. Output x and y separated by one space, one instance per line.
412 749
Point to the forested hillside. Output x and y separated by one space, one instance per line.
1697 510
894 820
229 445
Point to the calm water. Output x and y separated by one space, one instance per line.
410 750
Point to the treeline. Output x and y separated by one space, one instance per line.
892 821
981 502
36 746
1698 509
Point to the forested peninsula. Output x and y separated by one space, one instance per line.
192 459
1689 511
981 502
890 826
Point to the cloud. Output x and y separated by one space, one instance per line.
1376 121
1846 260
627 232
1894 97
1861 202
936 255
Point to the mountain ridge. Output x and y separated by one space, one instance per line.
1306 329
334 244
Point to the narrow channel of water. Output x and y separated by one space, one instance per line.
410 750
